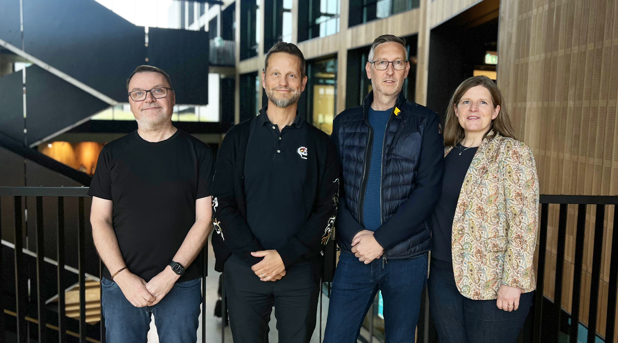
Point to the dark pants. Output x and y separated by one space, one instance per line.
354 289
462 320
250 302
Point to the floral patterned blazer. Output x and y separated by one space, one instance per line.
496 220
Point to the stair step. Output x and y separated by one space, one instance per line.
89 306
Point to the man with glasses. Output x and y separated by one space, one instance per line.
391 151
151 215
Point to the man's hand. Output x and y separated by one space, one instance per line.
278 277
134 289
365 247
508 298
161 284
270 267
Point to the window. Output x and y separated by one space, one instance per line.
322 93
321 18
363 11
250 91
278 22
250 28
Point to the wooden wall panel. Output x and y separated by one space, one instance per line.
558 69
443 10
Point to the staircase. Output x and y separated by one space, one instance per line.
93 302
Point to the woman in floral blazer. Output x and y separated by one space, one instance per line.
485 224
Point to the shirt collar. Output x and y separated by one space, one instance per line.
262 118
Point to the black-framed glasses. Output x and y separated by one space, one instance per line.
383 65
157 93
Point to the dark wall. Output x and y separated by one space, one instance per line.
12 106
456 48
86 41
54 104
184 55
446 71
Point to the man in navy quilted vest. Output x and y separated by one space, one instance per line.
391 153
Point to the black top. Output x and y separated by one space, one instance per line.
153 187
455 169
275 171
320 192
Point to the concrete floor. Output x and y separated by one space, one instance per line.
213 324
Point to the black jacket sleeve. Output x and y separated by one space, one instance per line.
347 226
228 222
314 235
414 211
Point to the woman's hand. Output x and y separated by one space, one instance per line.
508 298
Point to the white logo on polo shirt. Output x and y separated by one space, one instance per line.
302 151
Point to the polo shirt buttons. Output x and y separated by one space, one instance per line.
273 127
278 151
279 137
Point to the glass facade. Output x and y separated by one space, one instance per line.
322 93
363 11
250 28
277 22
318 18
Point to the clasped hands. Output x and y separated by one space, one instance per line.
365 247
141 293
271 268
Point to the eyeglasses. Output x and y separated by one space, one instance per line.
157 93
383 65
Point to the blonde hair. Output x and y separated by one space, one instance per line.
454 133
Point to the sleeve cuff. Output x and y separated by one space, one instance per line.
381 240
291 252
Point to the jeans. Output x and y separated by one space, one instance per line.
176 315
355 286
462 320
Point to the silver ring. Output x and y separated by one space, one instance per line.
262 275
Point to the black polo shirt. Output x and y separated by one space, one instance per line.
275 172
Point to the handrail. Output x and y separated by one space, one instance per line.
579 199
44 191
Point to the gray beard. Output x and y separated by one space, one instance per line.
282 103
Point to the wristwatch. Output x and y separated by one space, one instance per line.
177 268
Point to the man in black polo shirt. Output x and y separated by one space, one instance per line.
151 215
276 191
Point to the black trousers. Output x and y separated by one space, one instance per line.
250 302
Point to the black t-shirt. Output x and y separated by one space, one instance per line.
153 187
275 172
455 169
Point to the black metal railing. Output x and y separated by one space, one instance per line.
550 317
546 322
30 307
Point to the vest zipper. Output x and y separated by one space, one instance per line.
368 153
382 163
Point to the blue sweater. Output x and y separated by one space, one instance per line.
371 207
